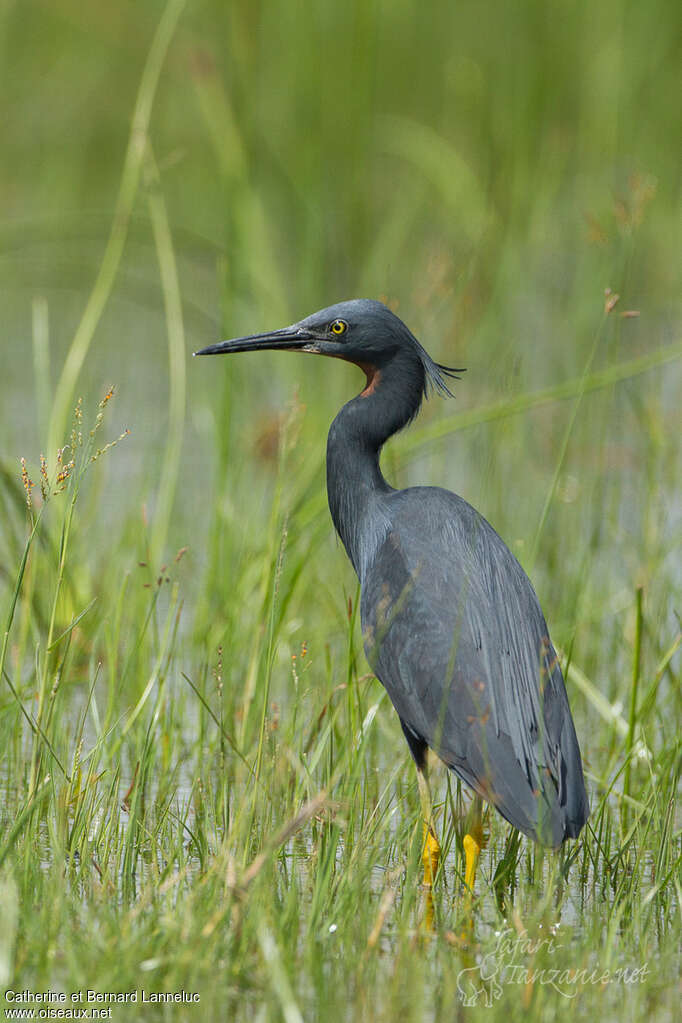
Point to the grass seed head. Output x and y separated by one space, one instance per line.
44 481
63 475
107 397
76 433
107 447
27 482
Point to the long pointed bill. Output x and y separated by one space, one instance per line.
289 339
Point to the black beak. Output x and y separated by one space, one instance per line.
288 339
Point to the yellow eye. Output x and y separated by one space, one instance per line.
338 327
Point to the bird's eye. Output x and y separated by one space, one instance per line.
338 327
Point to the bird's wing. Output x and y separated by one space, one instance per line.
454 630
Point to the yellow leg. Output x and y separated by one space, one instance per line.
473 842
430 855
472 851
431 852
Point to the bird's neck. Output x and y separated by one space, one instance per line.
356 487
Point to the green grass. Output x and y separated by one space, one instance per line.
202 789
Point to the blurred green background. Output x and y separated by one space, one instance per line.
487 169
171 174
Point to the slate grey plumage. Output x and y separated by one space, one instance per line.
451 624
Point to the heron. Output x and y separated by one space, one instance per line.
451 624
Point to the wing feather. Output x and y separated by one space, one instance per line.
454 630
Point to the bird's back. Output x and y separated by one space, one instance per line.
454 631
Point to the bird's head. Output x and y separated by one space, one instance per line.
361 330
